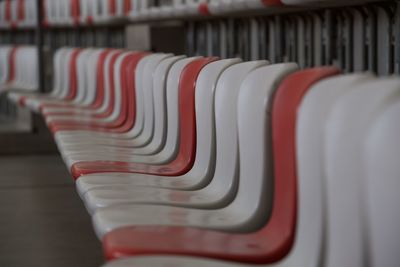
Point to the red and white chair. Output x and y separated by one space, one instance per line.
347 89
19 65
169 152
121 137
382 172
367 134
221 184
237 214
269 243
346 127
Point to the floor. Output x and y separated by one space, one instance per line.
42 220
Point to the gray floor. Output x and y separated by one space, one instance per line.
42 220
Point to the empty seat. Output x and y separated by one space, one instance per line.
221 185
182 161
168 152
244 213
17 64
347 123
346 128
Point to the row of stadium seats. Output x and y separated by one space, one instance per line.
201 161
18 14
18 68
23 13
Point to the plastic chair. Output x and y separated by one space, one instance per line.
170 148
221 184
73 136
177 158
242 214
382 170
76 146
346 128
116 114
258 247
121 137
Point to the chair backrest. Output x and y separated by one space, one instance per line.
103 95
70 73
86 80
295 197
114 84
206 107
251 209
61 79
225 179
119 81
382 168
31 12
26 68
139 95
160 106
170 149
180 163
308 245
128 81
110 102
81 75
148 97
5 53
91 76
345 131
63 12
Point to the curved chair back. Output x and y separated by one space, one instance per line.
382 151
346 127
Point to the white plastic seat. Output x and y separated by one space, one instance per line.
4 64
308 248
171 148
244 214
30 13
16 97
73 144
65 98
81 144
64 13
109 11
203 168
82 91
87 11
14 13
24 76
121 139
203 154
3 21
61 91
86 84
382 182
26 69
346 128
60 87
222 183
65 136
